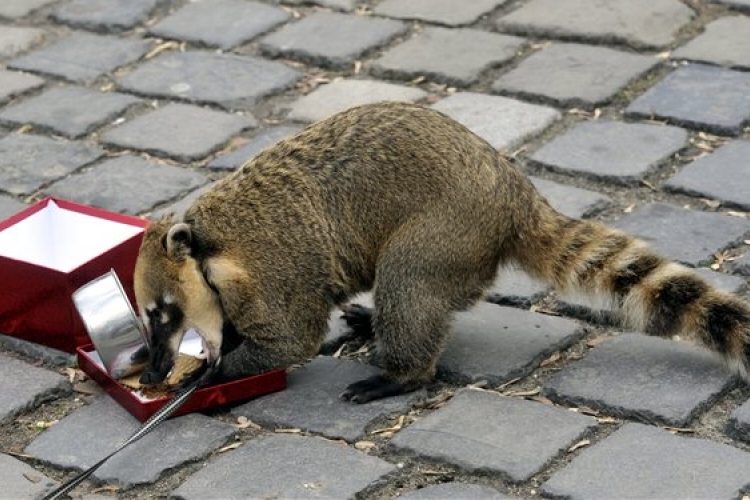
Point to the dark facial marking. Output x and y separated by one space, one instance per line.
161 359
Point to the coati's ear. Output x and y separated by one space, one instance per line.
179 241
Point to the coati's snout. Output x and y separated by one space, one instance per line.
173 296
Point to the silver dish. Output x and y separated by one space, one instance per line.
114 328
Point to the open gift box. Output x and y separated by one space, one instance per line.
49 250
142 408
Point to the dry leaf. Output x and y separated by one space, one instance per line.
629 208
733 213
679 430
523 394
596 341
552 359
288 431
587 411
711 203
393 429
71 373
172 45
579 444
230 446
25 129
34 478
543 400
508 383
606 420
364 445
431 472
87 387
244 422
107 488
41 424
417 80
664 55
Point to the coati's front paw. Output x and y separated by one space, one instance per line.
376 387
358 318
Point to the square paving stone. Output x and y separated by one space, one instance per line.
574 74
179 207
514 287
698 96
265 139
453 56
687 236
15 9
647 378
723 175
650 23
29 161
104 184
311 400
17 39
105 15
613 151
13 83
725 41
70 111
726 282
741 265
24 387
339 95
220 23
331 39
639 461
88 434
286 467
229 80
495 343
485 432
572 201
446 12
82 57
9 206
180 131
504 123
453 491
22 481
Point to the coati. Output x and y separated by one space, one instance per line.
403 200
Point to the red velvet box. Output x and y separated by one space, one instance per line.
236 391
49 250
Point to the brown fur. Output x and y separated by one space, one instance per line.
405 201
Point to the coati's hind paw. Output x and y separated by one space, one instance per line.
358 318
376 387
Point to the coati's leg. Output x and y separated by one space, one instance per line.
418 287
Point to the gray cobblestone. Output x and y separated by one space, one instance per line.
70 111
29 161
687 236
513 287
483 431
83 437
647 378
504 123
572 201
698 96
495 343
444 12
451 491
179 207
723 175
24 387
311 401
726 282
454 56
724 42
741 265
9 206
103 185
639 461
15 9
48 355
179 130
637 22
82 57
22 481
316 471
339 95
13 84
738 425
105 15
222 23
613 151
229 80
16 39
331 39
265 139
575 74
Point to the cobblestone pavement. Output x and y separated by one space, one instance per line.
635 113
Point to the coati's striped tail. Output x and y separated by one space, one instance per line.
654 294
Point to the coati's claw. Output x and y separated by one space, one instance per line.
358 318
376 387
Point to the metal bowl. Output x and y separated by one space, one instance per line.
114 328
